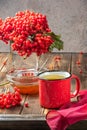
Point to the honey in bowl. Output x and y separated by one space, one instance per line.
25 80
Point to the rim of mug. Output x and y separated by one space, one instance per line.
41 73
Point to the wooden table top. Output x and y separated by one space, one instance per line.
33 117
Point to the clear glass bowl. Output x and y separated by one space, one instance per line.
26 80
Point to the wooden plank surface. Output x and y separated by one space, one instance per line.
79 67
34 106
33 115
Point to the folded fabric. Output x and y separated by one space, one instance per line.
69 113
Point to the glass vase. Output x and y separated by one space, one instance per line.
23 73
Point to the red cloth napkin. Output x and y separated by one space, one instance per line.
69 113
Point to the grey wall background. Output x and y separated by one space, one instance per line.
65 17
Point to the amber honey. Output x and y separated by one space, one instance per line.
29 89
27 85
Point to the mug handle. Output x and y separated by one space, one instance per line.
72 95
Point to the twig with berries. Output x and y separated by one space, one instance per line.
10 99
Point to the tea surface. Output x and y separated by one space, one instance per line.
53 77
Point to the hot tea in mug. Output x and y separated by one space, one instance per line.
55 88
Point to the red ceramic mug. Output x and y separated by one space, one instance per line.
55 88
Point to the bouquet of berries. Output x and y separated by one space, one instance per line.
28 32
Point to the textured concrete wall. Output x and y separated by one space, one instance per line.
65 17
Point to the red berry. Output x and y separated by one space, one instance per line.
80 71
78 62
8 106
81 53
26 104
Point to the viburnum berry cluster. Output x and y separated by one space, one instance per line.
29 32
10 99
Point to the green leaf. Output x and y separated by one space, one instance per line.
58 43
